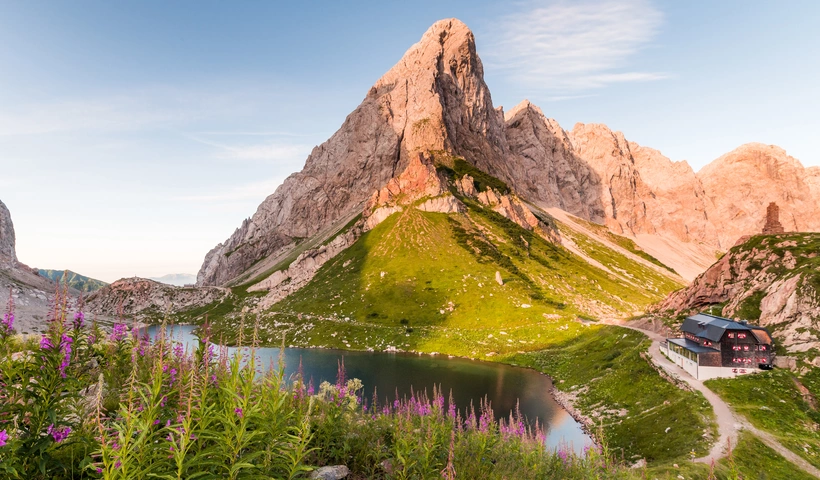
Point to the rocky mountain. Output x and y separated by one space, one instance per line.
8 254
773 280
73 279
741 183
434 101
176 279
444 247
32 294
149 301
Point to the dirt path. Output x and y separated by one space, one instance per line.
729 422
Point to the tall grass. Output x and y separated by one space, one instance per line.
83 403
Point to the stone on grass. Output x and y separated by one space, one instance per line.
334 472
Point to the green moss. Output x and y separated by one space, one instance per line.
456 167
749 308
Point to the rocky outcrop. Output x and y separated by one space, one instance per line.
32 294
417 181
148 300
773 280
434 98
544 167
284 282
510 207
8 254
417 186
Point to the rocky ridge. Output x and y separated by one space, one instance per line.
773 280
148 300
434 101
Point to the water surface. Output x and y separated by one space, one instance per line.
390 374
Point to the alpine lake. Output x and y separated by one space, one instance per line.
396 373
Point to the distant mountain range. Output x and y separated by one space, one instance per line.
75 280
178 279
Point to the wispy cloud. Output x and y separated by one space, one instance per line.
275 151
253 191
562 46
150 107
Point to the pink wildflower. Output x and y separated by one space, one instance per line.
59 434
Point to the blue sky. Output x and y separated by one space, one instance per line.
135 136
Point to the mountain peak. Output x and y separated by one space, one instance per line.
433 100
445 45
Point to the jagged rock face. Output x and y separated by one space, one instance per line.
417 181
145 299
777 274
596 174
434 98
683 207
544 167
628 202
8 255
743 182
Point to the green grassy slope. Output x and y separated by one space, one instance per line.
773 402
645 415
75 280
429 271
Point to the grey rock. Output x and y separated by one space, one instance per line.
335 472
8 254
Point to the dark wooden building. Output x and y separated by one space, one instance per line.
719 347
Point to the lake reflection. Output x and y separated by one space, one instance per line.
396 373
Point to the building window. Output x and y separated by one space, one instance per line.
741 335
707 343
736 348
762 348
731 335
745 348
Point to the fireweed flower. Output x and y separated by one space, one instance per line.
65 348
59 434
119 332
8 319
8 322
563 455
3 438
79 320
238 412
45 343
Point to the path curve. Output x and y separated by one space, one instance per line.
730 423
